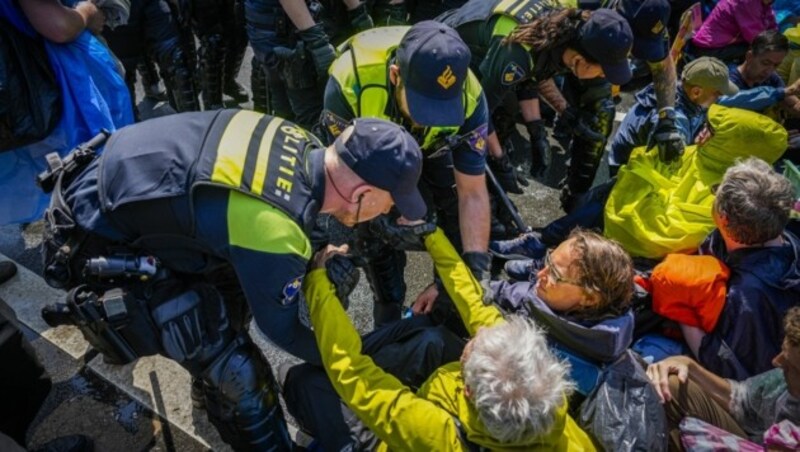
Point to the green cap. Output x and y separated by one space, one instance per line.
709 72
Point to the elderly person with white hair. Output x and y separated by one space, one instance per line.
497 396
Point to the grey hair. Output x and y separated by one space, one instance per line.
755 201
516 383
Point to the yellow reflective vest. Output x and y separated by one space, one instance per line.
362 71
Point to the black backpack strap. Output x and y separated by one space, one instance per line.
462 435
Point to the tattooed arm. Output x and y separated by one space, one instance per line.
664 81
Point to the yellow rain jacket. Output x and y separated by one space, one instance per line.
655 209
423 421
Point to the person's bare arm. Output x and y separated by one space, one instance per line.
684 367
351 4
473 211
493 144
60 24
664 82
549 92
298 13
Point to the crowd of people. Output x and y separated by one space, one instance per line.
660 312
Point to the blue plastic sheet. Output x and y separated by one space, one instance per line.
94 97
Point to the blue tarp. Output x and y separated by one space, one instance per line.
94 96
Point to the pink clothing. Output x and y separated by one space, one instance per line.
735 22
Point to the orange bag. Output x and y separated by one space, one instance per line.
690 289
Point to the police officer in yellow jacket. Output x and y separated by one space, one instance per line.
499 396
418 77
189 216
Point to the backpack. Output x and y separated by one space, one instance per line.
30 100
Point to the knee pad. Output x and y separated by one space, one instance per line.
242 399
193 325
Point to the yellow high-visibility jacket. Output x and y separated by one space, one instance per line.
655 208
423 421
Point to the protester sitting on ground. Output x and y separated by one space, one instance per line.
760 86
653 209
580 292
746 408
584 282
731 27
497 397
703 81
750 211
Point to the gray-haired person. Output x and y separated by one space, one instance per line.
751 211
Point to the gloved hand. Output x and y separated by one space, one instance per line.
573 121
344 275
540 147
359 17
480 265
505 174
319 47
389 15
666 136
399 236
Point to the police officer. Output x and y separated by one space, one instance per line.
419 77
152 30
292 53
516 43
592 98
220 27
182 212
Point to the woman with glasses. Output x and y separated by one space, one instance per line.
580 290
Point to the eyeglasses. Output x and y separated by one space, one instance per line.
555 275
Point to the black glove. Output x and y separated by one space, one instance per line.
359 18
505 174
318 45
540 147
401 237
344 275
388 15
666 136
578 123
480 265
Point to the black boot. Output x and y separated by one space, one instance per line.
212 69
7 271
258 83
180 83
232 88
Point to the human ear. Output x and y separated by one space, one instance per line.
394 74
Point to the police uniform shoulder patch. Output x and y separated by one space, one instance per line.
477 139
291 289
334 123
512 74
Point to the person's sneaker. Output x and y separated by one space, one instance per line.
519 270
69 443
7 271
235 91
526 246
